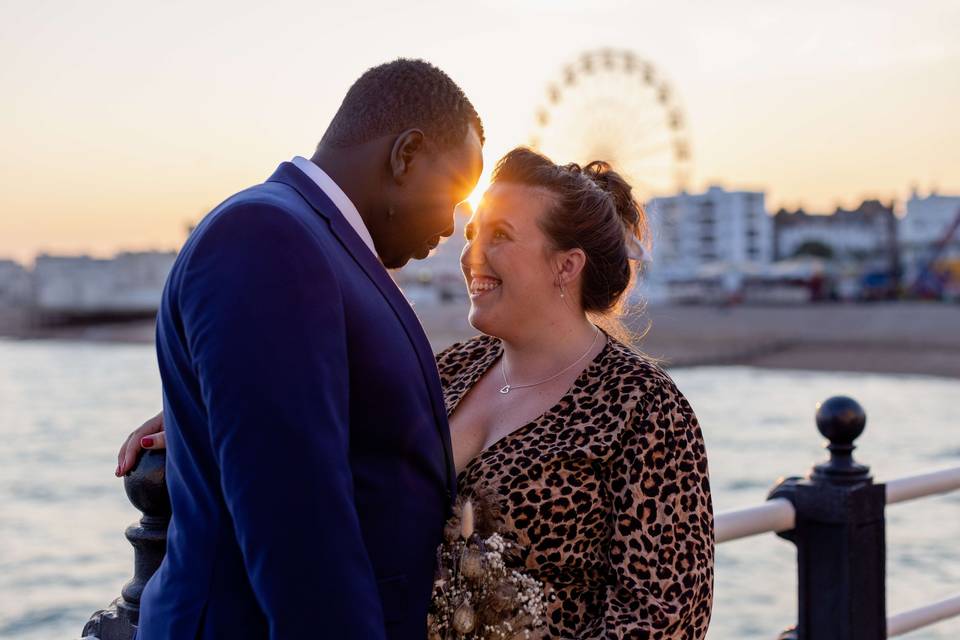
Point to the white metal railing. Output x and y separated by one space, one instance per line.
772 516
924 616
923 484
912 487
778 514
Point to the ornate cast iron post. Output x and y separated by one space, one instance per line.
839 535
146 488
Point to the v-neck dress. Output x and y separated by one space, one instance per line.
609 493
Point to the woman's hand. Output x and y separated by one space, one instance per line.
149 435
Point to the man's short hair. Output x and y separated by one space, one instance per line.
400 95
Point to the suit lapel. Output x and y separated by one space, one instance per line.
290 175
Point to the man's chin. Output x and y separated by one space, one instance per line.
419 254
395 262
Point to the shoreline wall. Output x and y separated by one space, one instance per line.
898 337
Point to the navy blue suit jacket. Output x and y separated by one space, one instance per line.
308 453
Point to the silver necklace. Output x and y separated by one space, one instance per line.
507 387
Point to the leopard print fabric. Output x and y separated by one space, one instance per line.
608 491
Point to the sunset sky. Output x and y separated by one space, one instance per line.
124 121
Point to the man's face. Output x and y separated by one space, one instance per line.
424 208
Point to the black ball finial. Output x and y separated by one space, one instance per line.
841 420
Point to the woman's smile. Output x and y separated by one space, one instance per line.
482 285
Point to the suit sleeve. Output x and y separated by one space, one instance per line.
661 550
263 319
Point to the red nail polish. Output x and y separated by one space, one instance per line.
146 441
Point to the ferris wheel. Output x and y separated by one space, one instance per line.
613 105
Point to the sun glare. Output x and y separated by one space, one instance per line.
474 198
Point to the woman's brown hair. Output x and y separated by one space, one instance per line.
593 209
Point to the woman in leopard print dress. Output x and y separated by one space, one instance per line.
596 459
608 491
599 466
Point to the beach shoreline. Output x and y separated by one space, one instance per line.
893 338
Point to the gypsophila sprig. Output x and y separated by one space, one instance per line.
479 592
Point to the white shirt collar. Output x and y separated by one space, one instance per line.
339 198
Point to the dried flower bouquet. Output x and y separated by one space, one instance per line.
478 593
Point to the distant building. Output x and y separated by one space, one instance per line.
926 223
693 231
15 284
129 284
863 233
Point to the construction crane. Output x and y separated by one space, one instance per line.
928 284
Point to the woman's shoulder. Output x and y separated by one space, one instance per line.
625 361
454 359
647 402
639 380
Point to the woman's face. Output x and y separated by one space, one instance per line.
507 261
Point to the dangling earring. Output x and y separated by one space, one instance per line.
561 291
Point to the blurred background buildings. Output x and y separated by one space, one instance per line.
716 247
724 247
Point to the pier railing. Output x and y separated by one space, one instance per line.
834 516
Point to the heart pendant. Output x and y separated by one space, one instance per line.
505 389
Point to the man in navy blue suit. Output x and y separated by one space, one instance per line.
308 453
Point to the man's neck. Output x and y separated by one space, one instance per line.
350 168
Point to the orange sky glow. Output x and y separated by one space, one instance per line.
123 122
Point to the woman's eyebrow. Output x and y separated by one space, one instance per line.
502 221
488 219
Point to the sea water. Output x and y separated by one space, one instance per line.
65 408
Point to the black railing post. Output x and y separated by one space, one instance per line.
146 488
839 535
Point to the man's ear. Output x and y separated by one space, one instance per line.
406 148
